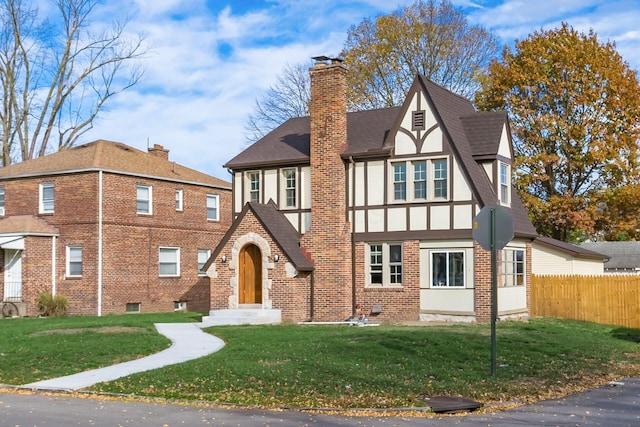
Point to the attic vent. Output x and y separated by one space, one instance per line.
417 120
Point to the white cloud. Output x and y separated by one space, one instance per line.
208 66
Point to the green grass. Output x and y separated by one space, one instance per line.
33 349
336 366
392 366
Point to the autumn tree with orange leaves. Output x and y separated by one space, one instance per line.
574 107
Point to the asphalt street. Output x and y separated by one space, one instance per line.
608 406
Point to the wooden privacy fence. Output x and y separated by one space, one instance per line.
613 300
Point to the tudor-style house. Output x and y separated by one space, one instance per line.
111 228
372 209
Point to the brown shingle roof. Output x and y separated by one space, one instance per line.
289 142
450 108
282 232
456 114
471 133
278 227
483 131
26 225
574 250
113 157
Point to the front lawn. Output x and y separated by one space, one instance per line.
329 366
34 349
394 366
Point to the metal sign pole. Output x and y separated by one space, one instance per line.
494 293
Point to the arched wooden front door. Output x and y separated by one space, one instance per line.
250 283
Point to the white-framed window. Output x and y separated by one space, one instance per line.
46 197
74 261
179 199
203 256
440 179
169 262
503 183
512 268
400 181
420 180
213 207
447 268
290 188
384 264
144 199
254 186
1 200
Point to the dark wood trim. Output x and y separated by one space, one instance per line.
401 236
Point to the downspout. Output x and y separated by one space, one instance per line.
353 234
53 266
312 298
99 243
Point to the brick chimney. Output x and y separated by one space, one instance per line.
159 151
328 240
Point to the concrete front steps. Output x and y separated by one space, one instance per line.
242 316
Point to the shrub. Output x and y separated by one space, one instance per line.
50 305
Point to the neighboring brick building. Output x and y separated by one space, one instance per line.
110 227
372 208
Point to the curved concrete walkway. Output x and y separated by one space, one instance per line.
188 342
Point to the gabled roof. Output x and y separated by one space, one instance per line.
577 251
622 255
449 110
110 157
472 135
26 225
279 228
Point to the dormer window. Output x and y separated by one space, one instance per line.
504 176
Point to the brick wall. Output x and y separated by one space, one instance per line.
130 241
482 283
328 241
291 295
398 303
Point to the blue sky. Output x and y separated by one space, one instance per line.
210 60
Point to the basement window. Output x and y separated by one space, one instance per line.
133 307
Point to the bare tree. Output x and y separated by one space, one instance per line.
57 74
288 98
